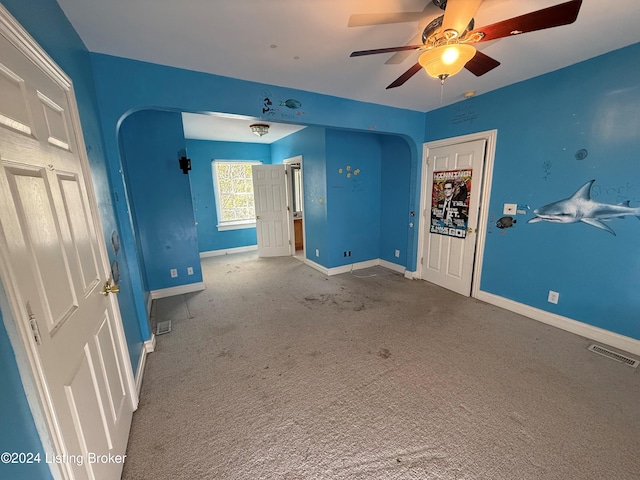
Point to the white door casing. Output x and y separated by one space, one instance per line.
53 265
455 263
288 162
272 216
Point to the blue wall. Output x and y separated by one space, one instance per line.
542 124
124 86
395 211
353 196
202 153
311 144
348 213
160 198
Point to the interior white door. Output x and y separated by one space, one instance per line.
53 267
272 217
448 253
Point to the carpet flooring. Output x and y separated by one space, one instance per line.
277 371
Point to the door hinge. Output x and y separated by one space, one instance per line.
421 261
35 330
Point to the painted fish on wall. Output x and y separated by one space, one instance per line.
580 208
291 103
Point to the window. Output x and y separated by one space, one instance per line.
233 188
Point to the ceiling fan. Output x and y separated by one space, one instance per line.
447 42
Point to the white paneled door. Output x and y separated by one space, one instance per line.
54 267
272 216
449 244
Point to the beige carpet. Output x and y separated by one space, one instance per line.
279 372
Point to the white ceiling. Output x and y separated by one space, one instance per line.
306 44
232 128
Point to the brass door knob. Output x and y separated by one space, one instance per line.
469 229
109 288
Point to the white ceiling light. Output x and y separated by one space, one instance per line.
259 129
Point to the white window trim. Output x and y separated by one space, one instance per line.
236 224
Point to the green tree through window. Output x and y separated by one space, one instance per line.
233 187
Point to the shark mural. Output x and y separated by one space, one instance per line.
580 208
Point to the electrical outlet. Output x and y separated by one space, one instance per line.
553 297
317 252
174 272
345 253
397 253
348 253
189 270
510 209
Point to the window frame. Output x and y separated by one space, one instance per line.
230 224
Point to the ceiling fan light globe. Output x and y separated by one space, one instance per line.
450 55
446 60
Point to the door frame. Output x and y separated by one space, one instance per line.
287 163
490 137
13 313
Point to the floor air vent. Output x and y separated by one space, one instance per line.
163 327
614 356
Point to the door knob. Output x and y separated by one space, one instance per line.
109 288
257 217
469 229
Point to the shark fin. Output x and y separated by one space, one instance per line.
598 224
584 192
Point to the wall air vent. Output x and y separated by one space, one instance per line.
613 355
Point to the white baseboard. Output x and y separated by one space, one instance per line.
228 251
147 347
179 290
411 275
316 266
355 266
600 335
392 266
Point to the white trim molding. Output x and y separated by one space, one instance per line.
600 335
228 251
147 347
355 266
179 290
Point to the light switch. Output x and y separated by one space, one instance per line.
510 208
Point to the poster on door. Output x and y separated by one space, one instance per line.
450 202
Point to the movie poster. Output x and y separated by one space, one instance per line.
450 202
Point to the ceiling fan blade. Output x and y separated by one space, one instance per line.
458 14
385 50
556 16
405 76
400 57
367 19
481 64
